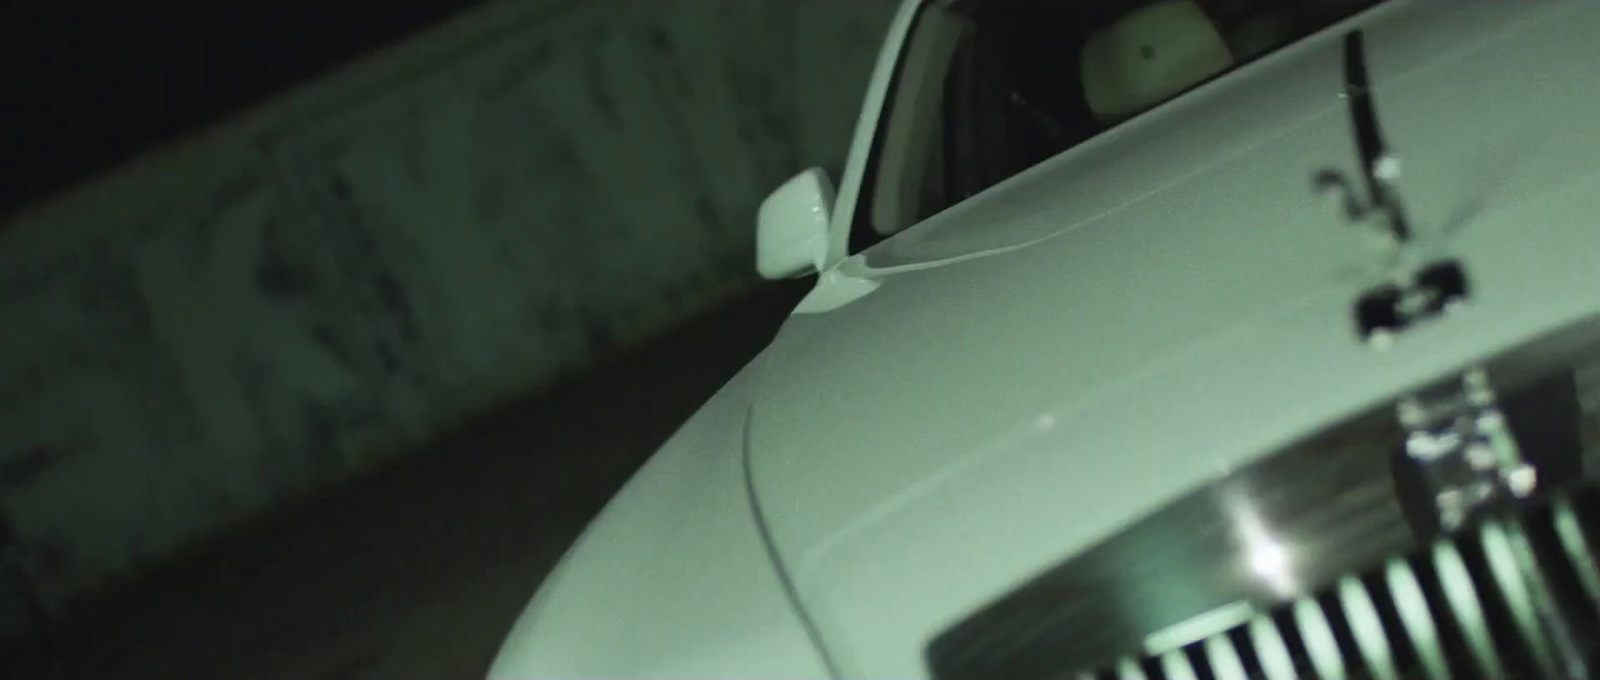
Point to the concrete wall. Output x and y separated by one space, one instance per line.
322 285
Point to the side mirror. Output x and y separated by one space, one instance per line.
792 226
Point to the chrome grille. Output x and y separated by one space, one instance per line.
1462 607
1183 590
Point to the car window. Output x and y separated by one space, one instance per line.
985 89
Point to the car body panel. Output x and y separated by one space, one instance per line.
1017 378
672 579
962 427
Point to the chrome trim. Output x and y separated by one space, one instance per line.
1367 628
1225 661
1340 502
1577 548
1468 611
1199 627
1499 601
1175 666
1412 606
1276 662
1460 441
1313 627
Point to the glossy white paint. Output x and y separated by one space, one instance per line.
792 226
1041 365
672 579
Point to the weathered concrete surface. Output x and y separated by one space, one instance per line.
345 273
416 571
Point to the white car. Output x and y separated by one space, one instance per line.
1186 339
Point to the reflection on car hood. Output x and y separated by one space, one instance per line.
1158 307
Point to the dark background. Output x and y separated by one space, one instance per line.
91 85
415 570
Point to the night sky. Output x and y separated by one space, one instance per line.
90 85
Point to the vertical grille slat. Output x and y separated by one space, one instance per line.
1448 531
1577 547
1515 596
1572 618
1416 619
1462 596
1224 659
1175 666
1501 551
1320 643
1367 628
1276 663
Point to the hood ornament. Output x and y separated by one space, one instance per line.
1409 294
1457 437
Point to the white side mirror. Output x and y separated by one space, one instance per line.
792 226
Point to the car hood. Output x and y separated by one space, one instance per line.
1043 365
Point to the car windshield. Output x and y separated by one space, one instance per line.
988 88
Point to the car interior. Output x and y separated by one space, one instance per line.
1054 75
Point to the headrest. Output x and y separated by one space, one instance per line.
1148 56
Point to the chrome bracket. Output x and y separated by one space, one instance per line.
1460 440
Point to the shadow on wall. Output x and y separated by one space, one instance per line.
337 277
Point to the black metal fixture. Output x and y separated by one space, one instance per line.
1411 294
